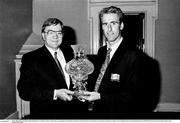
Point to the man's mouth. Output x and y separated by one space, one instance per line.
110 33
54 40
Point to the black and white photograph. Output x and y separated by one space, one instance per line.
89 60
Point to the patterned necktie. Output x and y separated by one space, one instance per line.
103 69
101 74
58 64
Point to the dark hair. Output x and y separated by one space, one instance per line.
112 9
51 21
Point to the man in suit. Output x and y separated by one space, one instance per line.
123 90
43 80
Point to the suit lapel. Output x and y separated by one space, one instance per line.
117 55
114 61
54 65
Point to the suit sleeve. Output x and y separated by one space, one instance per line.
27 84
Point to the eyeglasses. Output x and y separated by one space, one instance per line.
51 32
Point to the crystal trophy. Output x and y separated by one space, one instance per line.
79 68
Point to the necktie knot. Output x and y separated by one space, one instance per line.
55 55
108 55
109 50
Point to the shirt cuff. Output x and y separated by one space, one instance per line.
54 97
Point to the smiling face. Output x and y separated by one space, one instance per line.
52 36
111 27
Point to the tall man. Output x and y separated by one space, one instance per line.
43 80
121 89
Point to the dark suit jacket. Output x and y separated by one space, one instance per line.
39 77
136 93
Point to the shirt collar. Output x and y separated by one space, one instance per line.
52 50
115 46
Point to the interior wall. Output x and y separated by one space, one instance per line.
15 27
73 13
168 49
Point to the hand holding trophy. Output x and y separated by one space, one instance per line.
79 68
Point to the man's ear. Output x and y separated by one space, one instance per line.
121 26
43 37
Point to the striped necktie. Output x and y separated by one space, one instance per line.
101 74
58 63
103 69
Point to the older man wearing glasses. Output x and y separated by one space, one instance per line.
43 80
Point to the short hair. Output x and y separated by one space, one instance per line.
51 21
112 9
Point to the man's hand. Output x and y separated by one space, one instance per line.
90 96
64 94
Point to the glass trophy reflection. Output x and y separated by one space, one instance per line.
79 68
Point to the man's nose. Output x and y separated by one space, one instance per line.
56 35
109 27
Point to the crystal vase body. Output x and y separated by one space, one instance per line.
79 68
